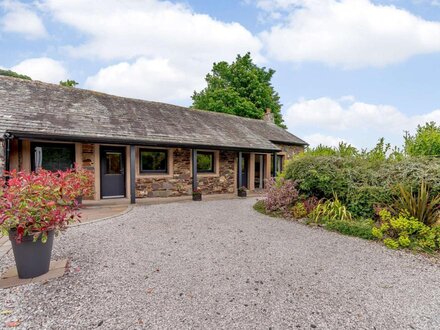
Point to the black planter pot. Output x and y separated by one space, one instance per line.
32 259
197 197
242 193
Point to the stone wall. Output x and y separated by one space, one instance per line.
2 156
225 181
290 150
88 157
88 160
180 183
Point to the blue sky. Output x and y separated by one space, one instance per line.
351 70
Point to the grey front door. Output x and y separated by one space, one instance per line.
112 172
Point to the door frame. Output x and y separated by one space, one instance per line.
261 170
246 161
102 150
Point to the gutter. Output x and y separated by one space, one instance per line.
121 141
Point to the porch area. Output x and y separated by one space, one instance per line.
146 174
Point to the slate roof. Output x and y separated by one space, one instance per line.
33 107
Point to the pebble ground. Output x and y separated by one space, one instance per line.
221 265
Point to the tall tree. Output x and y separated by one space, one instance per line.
426 141
240 88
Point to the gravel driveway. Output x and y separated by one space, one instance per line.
221 265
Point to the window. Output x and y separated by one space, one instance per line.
280 163
113 162
205 162
153 161
52 156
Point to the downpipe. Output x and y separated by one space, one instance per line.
8 137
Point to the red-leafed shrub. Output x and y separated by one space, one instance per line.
36 203
281 194
81 182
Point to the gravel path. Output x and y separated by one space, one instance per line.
221 265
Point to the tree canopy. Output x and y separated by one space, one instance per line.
10 73
240 88
426 141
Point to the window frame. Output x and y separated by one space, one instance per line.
59 145
142 171
213 162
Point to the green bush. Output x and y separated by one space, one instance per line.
320 176
361 182
406 232
426 142
362 199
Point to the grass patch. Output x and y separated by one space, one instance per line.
358 228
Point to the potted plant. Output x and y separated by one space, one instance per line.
33 207
82 182
242 192
197 195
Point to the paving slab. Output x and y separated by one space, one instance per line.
10 278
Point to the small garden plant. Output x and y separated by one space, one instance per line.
36 203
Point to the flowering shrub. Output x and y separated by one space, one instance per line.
35 203
280 195
406 231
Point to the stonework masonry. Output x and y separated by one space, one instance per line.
181 181
88 159
290 150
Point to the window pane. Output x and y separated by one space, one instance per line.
205 161
280 160
113 162
53 157
153 160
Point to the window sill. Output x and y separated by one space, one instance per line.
201 175
154 175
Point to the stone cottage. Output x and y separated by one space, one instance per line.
136 148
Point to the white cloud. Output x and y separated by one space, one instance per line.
42 68
20 18
362 122
134 35
348 33
327 140
155 79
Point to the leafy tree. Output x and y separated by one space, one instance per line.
68 83
240 88
426 141
10 73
